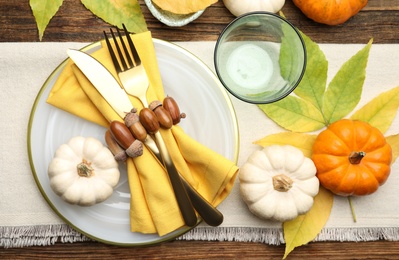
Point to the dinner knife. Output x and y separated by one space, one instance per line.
117 98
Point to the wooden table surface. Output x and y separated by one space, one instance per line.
379 19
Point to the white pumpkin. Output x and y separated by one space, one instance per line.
278 183
240 7
83 171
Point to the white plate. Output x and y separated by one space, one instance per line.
210 120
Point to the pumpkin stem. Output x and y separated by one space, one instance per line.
282 182
356 157
84 169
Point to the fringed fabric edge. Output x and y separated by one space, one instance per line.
42 235
358 234
238 234
276 236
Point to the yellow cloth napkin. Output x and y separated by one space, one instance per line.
153 206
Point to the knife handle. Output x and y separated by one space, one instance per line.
209 213
186 208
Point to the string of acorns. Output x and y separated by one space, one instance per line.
126 139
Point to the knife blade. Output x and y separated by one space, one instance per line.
103 81
115 95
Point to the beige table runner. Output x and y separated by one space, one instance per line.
26 219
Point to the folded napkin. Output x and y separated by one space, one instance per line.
153 206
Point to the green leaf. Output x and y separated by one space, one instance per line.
43 11
345 89
314 81
305 228
294 114
301 113
302 141
381 111
288 57
117 12
393 141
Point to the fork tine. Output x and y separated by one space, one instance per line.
118 49
128 57
132 47
112 53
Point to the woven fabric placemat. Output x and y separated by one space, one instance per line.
26 219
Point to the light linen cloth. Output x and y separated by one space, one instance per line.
26 219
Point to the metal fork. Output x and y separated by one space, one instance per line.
135 82
130 70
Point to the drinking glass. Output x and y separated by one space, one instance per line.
260 57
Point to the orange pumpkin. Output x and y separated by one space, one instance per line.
331 12
352 158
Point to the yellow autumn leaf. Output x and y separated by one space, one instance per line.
116 12
43 11
295 114
381 111
183 6
302 141
393 140
305 228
